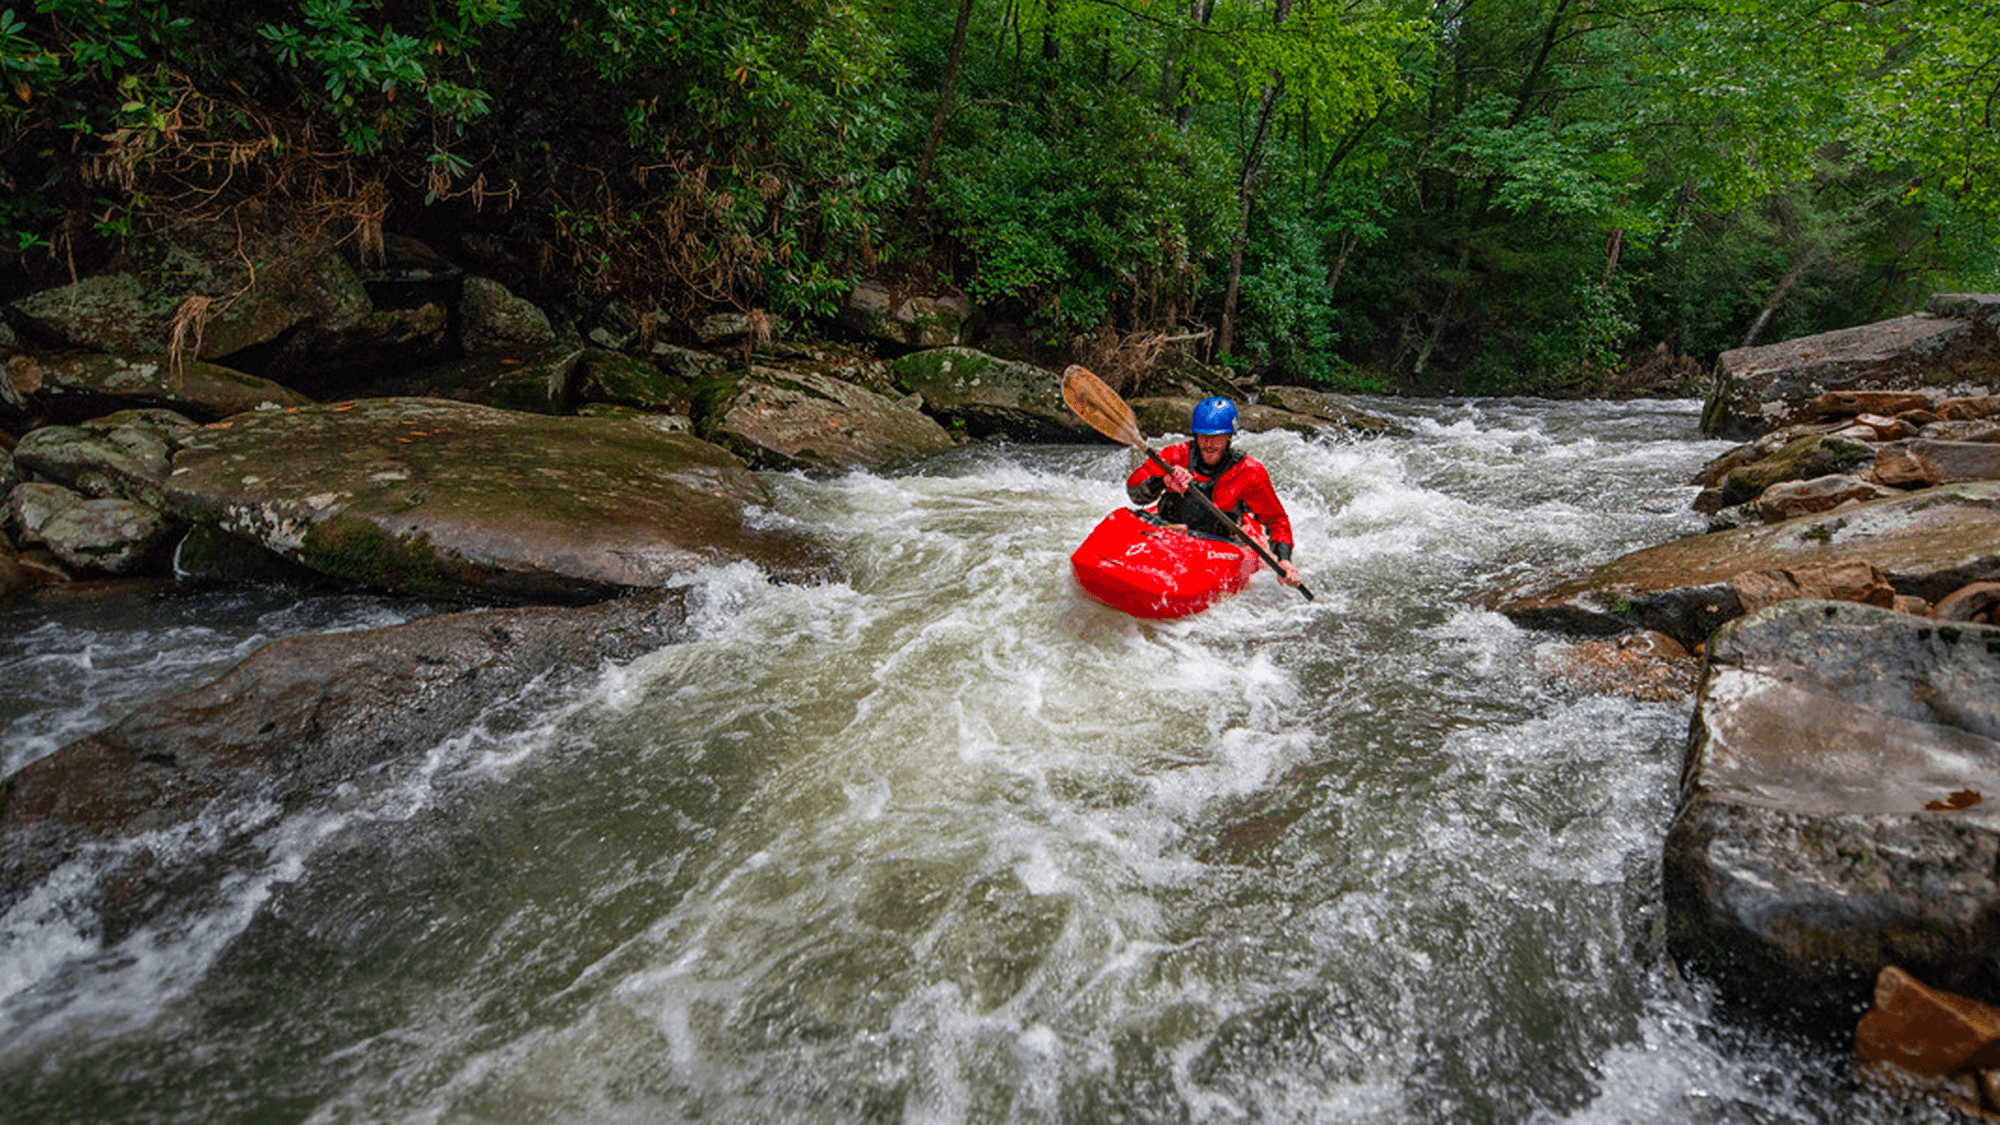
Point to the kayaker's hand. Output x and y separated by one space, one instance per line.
1179 478
1288 574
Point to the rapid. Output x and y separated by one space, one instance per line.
947 842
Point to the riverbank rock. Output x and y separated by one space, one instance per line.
106 534
1925 545
283 729
218 304
126 454
921 321
776 419
1952 342
990 397
429 496
88 384
1837 810
1922 1040
1171 415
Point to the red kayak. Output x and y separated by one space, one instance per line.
1150 570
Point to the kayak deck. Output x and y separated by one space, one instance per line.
1155 571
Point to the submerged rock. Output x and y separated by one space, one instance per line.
1837 809
426 495
283 729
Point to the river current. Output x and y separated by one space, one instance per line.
947 842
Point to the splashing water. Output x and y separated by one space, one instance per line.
947 842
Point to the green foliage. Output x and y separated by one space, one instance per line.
1499 196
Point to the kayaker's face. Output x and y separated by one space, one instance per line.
1213 447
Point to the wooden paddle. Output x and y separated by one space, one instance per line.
1100 406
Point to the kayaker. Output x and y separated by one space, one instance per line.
1238 484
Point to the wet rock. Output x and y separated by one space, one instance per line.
281 730
990 397
492 320
1970 408
1758 389
1848 580
537 379
1790 499
755 328
1645 665
1926 543
124 455
1980 429
777 419
612 377
686 364
1327 408
1803 458
1975 602
1920 462
921 321
110 535
426 495
1915 1032
1171 415
15 578
1834 814
85 385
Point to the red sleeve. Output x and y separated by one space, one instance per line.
1249 486
1147 470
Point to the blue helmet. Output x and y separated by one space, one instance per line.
1215 416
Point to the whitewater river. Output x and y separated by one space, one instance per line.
949 843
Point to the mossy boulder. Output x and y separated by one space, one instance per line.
87 384
989 396
427 496
248 289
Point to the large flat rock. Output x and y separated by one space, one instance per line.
1926 543
427 495
1840 808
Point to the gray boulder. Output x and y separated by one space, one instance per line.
108 535
1837 810
1758 389
124 455
493 320
427 496
990 397
221 304
873 309
85 384
802 420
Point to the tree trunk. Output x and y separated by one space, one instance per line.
1246 187
1776 299
945 86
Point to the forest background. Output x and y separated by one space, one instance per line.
1408 196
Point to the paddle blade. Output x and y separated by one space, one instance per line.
1100 407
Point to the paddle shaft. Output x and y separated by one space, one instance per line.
1246 537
